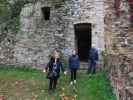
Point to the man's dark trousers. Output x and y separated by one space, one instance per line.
92 67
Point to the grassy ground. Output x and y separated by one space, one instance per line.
30 84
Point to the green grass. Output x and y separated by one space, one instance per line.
30 84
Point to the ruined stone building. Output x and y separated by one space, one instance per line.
46 25
57 24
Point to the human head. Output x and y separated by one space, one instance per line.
93 46
55 51
56 54
74 52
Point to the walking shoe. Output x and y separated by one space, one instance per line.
50 91
71 83
74 81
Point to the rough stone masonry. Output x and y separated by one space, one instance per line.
46 25
119 46
38 36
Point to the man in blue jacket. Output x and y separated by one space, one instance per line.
92 60
73 66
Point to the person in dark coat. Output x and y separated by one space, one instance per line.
54 66
92 60
74 65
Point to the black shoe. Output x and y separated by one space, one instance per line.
50 91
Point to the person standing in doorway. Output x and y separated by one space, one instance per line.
74 65
92 60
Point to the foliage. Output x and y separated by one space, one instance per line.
10 11
104 55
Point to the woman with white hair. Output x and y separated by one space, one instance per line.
53 67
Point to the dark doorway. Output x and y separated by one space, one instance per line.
46 12
83 39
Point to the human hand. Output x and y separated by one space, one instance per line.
65 72
44 70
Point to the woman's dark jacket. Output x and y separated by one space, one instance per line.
59 66
74 62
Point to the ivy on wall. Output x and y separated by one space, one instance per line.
9 13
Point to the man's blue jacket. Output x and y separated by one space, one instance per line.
93 55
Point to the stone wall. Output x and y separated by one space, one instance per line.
111 27
118 39
7 43
120 71
38 37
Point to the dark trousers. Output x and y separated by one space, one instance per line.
53 83
92 67
73 74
